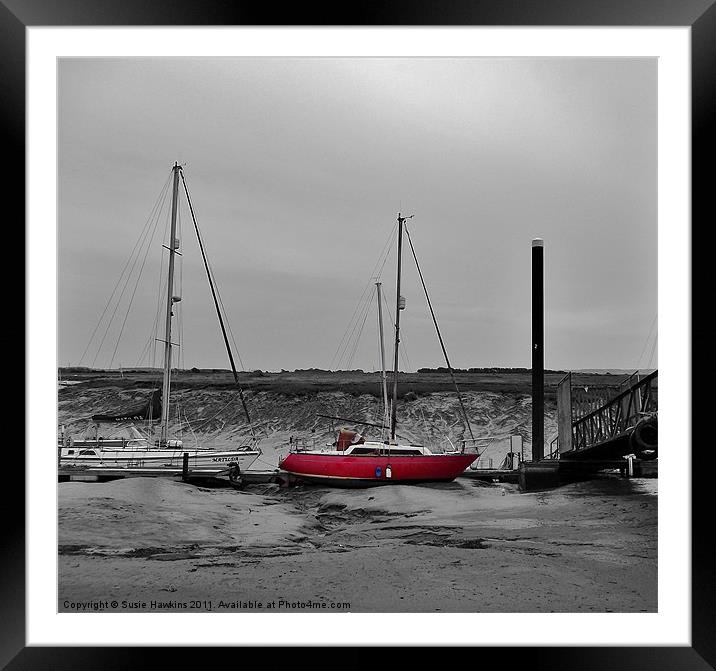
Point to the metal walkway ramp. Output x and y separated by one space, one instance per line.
597 428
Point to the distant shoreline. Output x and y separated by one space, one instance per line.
356 382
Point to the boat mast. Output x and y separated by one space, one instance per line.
384 380
173 244
399 304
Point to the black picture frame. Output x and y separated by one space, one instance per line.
700 15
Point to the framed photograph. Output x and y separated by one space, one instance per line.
481 174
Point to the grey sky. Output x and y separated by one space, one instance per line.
297 169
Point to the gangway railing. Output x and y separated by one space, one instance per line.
553 448
616 417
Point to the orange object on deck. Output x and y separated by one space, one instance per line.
346 438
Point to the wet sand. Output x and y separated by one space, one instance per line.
154 545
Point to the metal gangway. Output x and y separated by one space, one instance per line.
608 426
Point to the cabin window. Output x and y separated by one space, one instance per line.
92 452
365 450
70 451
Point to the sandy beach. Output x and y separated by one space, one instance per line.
150 545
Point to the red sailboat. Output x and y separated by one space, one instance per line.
354 462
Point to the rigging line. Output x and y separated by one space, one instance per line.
366 296
357 340
124 287
384 254
160 292
196 440
150 230
383 403
153 340
263 461
139 276
151 214
362 319
653 348
385 251
228 321
431 433
357 333
351 342
182 350
350 326
223 309
180 322
350 330
646 342
225 314
385 258
404 349
180 309
213 417
179 261
158 377
442 344
134 291
403 436
345 340
145 352
216 303
119 280
213 282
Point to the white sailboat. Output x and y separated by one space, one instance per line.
115 442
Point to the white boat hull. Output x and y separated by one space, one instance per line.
156 458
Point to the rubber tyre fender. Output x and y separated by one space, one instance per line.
644 438
235 476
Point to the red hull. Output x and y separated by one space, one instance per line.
346 470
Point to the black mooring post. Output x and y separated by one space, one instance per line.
537 349
185 466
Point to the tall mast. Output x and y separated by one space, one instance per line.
173 244
384 381
398 306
